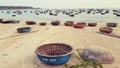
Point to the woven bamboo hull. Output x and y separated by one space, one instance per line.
106 29
42 23
23 29
79 25
92 24
111 24
54 54
55 23
30 22
69 23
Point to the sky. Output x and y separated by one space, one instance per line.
63 3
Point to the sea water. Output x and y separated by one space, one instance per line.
30 15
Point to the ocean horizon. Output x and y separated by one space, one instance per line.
44 15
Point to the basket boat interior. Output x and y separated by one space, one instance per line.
54 49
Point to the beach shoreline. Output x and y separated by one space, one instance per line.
18 51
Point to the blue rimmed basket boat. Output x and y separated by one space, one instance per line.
23 29
54 53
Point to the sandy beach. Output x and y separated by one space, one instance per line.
17 50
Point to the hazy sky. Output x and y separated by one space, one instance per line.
63 3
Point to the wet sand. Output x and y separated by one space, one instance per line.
17 50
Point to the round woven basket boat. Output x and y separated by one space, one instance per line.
30 22
69 23
7 21
80 25
111 24
55 23
92 24
42 23
106 29
54 53
23 29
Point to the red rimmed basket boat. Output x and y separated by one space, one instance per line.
69 23
80 25
106 29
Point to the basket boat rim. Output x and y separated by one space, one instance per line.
36 50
